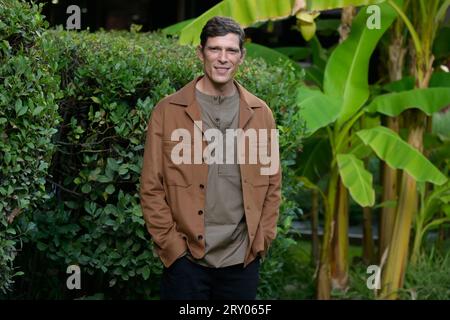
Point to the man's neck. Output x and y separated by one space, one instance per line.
209 88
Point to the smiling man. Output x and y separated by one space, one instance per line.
211 221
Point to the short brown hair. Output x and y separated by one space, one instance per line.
220 26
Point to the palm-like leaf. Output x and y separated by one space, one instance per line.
248 12
346 74
428 100
314 161
400 155
245 12
356 179
317 109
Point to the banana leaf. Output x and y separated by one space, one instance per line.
247 12
356 179
399 154
317 109
346 73
428 100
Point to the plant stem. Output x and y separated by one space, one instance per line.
412 31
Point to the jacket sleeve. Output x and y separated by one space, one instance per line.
272 201
157 214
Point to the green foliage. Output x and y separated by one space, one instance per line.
291 276
111 83
428 279
255 50
28 118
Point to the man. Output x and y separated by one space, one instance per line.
210 207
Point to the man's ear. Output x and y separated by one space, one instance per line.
244 52
200 52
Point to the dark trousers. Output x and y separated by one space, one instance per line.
186 280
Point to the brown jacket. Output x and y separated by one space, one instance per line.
173 196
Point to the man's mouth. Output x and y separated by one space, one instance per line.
222 70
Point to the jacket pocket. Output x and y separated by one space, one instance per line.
176 171
260 180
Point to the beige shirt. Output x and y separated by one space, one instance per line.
226 233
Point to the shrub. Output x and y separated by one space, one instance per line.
428 279
28 117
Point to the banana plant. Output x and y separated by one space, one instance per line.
396 52
432 205
337 108
426 19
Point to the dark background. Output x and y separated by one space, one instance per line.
156 14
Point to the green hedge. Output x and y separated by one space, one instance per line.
110 83
28 119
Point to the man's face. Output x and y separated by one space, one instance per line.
221 57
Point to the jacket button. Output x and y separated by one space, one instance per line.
200 237
200 212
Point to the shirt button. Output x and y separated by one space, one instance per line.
200 237
200 212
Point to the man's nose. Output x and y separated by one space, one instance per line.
223 56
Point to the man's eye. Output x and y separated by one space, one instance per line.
214 49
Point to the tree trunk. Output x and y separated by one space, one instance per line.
393 275
339 257
348 13
324 273
314 228
368 244
390 193
396 61
333 269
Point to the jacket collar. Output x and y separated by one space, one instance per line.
186 97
